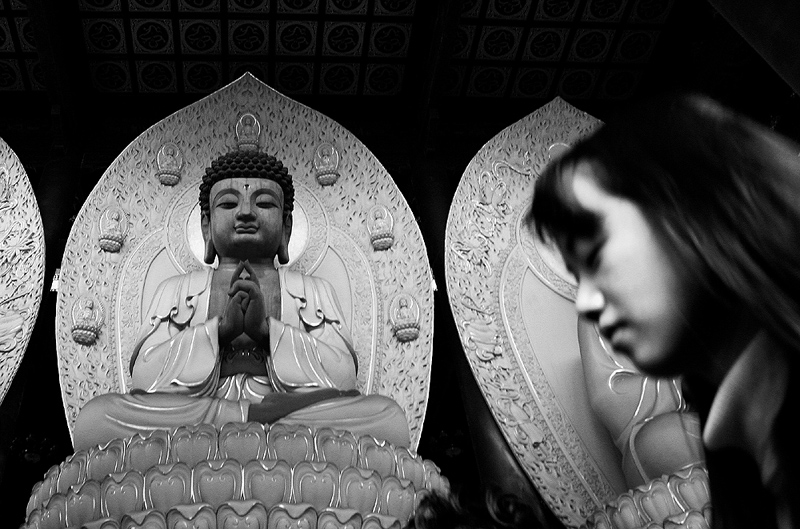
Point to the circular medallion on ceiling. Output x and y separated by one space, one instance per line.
339 78
389 39
156 76
296 37
201 76
111 76
383 79
294 78
533 82
247 37
499 43
546 44
104 36
151 36
200 36
343 38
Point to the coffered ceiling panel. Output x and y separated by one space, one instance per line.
575 49
331 47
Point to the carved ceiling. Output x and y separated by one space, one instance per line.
498 48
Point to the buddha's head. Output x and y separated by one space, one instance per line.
246 202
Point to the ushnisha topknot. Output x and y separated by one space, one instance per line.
247 164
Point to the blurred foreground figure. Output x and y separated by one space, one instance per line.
681 223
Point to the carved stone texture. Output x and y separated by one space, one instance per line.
113 228
380 226
404 317
87 320
150 473
336 244
491 266
326 164
248 131
169 160
21 264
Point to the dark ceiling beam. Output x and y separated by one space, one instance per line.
772 28
56 27
441 24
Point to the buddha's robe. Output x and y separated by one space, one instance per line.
177 362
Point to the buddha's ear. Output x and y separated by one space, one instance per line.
211 252
283 249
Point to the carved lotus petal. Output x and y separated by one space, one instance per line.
193 444
380 521
624 514
145 451
243 442
433 477
316 483
196 516
106 459
360 489
410 467
105 523
397 498
292 516
215 482
293 444
83 504
656 501
144 520
121 494
34 500
248 514
336 446
339 519
598 520
691 487
54 515
167 486
377 455
71 472
690 520
269 482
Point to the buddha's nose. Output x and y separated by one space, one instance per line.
244 209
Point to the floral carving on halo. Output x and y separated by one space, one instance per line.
21 264
486 264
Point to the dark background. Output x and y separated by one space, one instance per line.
424 84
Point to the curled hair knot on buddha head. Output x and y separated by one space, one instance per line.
247 164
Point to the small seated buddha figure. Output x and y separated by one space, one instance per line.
246 341
649 422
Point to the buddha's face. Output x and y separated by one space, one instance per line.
628 283
245 219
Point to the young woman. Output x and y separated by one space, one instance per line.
681 222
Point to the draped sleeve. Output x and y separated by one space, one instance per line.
311 347
178 349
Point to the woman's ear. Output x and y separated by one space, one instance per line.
211 252
283 248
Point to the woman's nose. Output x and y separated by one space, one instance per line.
589 300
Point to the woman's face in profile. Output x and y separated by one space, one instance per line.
627 282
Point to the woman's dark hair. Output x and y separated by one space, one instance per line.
721 191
